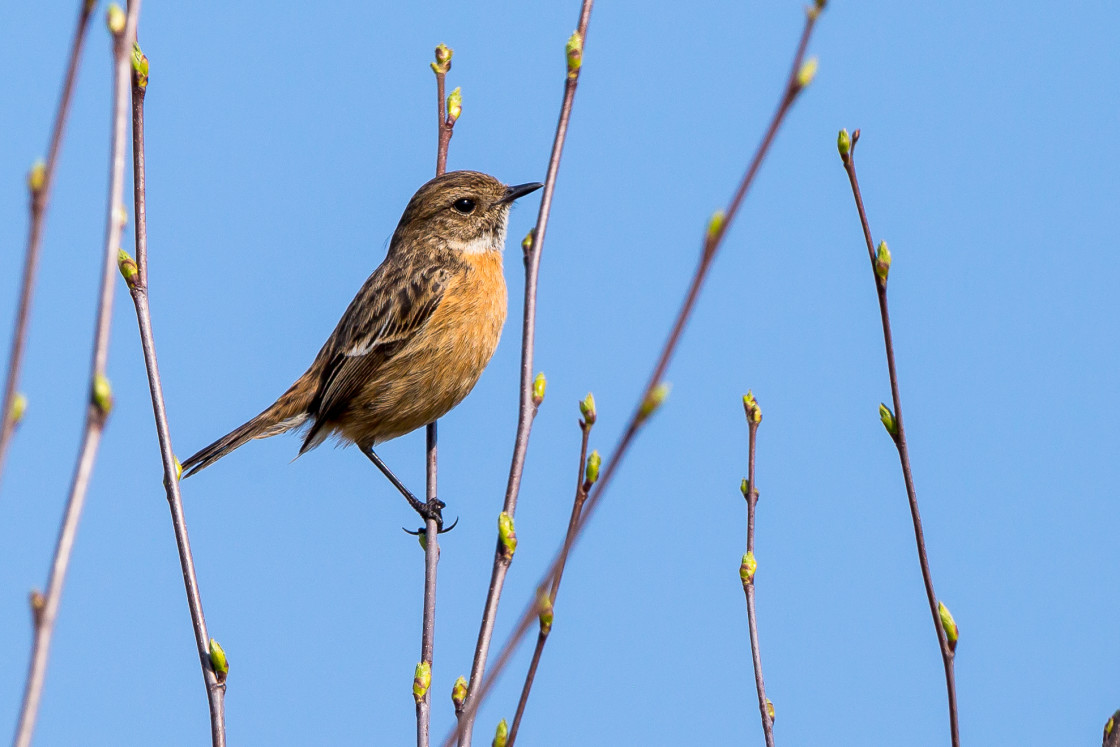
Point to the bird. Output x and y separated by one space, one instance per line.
414 340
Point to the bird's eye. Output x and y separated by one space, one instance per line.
464 205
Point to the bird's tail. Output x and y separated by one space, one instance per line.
286 413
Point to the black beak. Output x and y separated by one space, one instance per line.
519 190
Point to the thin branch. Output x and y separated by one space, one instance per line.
136 275
586 475
41 179
800 75
422 687
880 266
749 564
527 409
45 608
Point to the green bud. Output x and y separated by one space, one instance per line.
506 534
949 624
1109 725
587 409
882 261
744 486
421 681
102 395
807 72
747 568
454 105
844 143
770 709
889 422
37 177
116 19
653 400
18 409
591 474
459 693
540 383
218 660
750 406
527 242
544 611
501 734
443 59
139 66
129 270
574 51
715 224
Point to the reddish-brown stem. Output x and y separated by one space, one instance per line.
40 197
527 410
138 288
748 583
899 437
542 637
45 608
711 246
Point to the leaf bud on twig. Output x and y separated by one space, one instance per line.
218 660
501 734
751 408
889 422
443 59
653 400
421 681
139 66
37 176
459 693
587 409
950 626
747 568
116 19
574 52
19 408
770 710
844 143
102 395
882 261
591 474
38 604
807 72
507 535
129 270
544 611
454 105
540 384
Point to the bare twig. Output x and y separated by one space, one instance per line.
880 267
136 276
421 686
527 409
800 75
750 564
40 181
587 473
45 608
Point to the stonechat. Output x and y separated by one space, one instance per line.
417 336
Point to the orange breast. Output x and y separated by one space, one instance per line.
440 366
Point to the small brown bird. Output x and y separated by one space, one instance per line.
414 341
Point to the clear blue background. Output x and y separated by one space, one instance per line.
283 142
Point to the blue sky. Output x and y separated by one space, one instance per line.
282 147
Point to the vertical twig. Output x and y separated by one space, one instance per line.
880 267
45 608
39 182
422 680
587 472
750 564
801 74
527 408
136 276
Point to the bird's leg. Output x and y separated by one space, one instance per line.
426 510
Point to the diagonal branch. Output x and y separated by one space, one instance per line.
45 608
801 74
136 276
880 267
40 181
